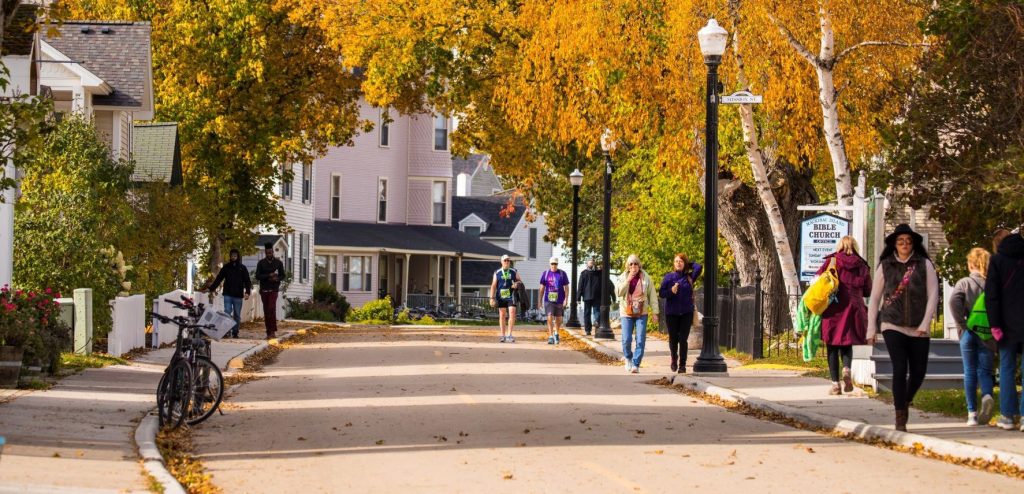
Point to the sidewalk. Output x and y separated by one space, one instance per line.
79 435
810 395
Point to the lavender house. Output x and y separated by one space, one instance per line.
383 214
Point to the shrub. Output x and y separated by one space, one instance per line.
326 294
427 320
31 320
403 317
309 310
376 310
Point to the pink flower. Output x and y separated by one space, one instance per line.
49 291
9 306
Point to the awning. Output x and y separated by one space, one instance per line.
409 239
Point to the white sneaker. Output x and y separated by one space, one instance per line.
987 405
1005 424
629 367
502 340
510 339
972 419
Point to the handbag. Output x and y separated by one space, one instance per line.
822 291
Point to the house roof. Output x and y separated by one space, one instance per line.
467 165
267 238
488 209
157 153
478 273
405 238
116 51
19 34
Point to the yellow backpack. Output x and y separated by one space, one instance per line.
822 290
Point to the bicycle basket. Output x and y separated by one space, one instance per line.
221 321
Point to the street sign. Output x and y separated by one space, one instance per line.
741 97
819 237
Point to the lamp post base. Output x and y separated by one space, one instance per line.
573 323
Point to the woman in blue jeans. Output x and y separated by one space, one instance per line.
1004 303
638 301
977 354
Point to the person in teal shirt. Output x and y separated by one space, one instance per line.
503 285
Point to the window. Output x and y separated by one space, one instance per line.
440 203
355 274
303 257
286 184
533 244
335 197
382 200
473 230
384 128
289 254
440 133
307 184
332 270
319 269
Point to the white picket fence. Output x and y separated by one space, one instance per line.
252 309
129 329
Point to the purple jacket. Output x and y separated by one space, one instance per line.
681 303
845 322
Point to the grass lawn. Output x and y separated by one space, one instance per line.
816 367
949 402
75 363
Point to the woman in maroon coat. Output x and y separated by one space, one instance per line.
844 323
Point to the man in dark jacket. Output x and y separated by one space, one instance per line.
237 285
1004 291
269 272
589 292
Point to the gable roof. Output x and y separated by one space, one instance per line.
467 165
19 34
488 209
157 153
116 51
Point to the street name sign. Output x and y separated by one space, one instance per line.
741 98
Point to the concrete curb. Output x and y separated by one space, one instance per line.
145 433
152 460
854 428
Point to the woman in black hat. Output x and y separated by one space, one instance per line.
904 297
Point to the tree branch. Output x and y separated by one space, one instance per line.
877 43
795 43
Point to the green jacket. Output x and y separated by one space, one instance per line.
808 327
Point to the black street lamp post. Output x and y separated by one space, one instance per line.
604 328
576 179
712 45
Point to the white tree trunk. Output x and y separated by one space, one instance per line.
764 191
828 97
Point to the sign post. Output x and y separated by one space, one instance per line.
819 237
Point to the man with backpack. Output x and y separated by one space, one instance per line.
554 290
503 285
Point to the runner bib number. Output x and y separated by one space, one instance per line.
506 293
553 297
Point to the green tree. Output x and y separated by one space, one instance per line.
959 145
72 216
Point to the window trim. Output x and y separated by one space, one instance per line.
447 132
384 134
307 184
532 242
330 204
303 257
444 203
286 185
366 273
386 183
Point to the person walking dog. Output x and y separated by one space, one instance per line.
904 297
844 323
677 290
237 287
639 302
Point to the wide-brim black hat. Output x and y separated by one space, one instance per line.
903 229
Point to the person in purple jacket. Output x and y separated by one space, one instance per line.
677 290
844 323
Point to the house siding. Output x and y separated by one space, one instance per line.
104 122
125 134
424 161
299 217
360 165
421 210
531 269
485 182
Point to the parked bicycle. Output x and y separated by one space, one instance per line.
192 386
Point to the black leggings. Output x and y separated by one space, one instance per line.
906 353
678 333
834 352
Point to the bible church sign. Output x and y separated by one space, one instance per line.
819 237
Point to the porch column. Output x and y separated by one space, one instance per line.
437 281
458 280
405 281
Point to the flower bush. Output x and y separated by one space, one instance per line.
31 320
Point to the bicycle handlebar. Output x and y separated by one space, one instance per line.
180 321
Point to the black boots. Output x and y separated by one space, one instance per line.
901 420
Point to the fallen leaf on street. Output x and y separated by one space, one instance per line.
380 441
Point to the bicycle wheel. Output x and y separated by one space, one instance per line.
209 390
174 394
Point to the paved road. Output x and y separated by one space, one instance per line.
455 411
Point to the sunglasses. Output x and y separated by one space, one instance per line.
634 264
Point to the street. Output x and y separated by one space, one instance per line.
453 410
